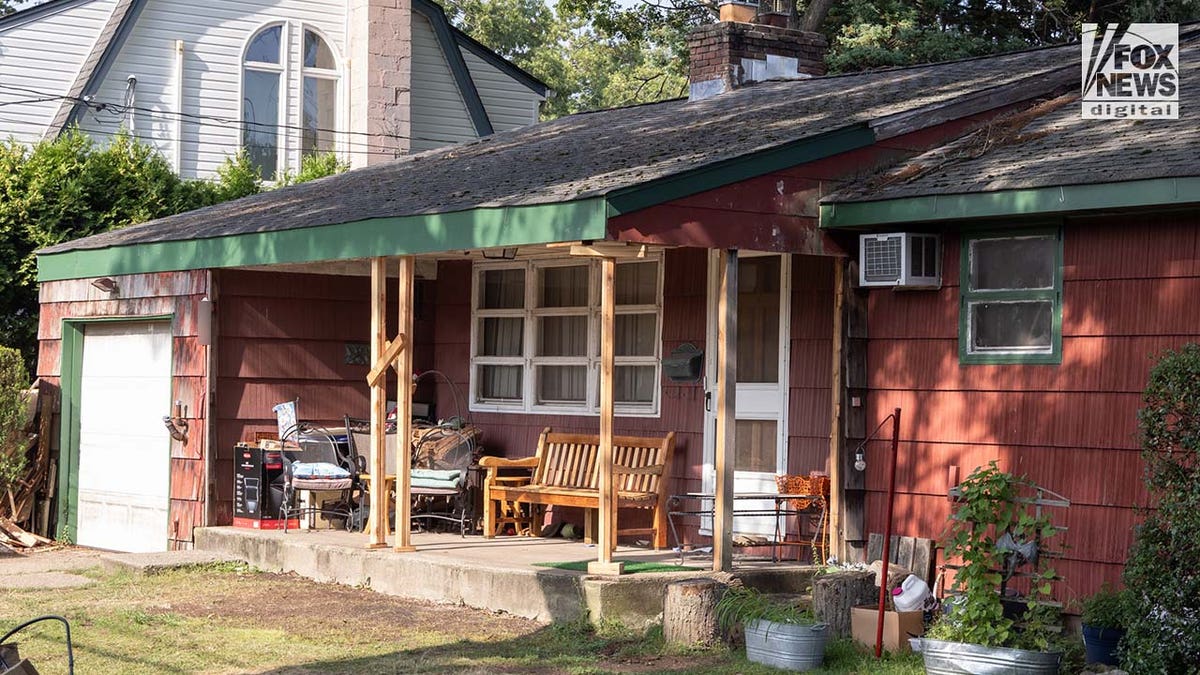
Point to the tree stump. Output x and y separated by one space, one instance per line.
834 594
690 613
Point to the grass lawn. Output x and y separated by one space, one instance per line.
231 619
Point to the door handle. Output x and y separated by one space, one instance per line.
708 401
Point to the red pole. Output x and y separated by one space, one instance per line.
887 532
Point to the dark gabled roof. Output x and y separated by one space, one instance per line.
611 153
1053 148
96 65
508 67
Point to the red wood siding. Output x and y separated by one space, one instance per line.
142 295
283 336
1129 289
684 317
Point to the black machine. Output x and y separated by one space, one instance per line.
258 487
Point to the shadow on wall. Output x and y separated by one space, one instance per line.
1128 294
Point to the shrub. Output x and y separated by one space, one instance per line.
13 385
1163 569
1107 608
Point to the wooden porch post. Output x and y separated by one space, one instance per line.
837 538
608 503
378 522
726 411
404 376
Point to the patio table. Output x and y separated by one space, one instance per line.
705 506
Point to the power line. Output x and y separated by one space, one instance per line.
120 109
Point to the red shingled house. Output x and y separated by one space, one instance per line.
733 184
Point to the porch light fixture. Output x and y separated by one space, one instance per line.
500 254
106 285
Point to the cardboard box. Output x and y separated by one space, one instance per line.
897 627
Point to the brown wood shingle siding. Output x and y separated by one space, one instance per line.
141 295
1129 292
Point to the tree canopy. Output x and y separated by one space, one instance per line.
72 187
605 53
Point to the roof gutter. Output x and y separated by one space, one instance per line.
1154 192
406 235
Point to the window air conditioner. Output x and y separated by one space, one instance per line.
900 260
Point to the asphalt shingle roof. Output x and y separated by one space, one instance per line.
1059 148
594 154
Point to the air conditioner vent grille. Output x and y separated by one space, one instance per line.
881 259
909 260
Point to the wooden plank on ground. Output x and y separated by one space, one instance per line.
874 547
923 559
904 553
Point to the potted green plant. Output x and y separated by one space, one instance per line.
997 527
777 634
1105 615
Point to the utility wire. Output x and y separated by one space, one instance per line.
121 109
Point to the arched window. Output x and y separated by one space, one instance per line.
319 104
262 74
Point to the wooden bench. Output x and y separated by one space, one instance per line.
565 473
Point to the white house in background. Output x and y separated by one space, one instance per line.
367 79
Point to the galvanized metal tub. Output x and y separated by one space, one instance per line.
958 658
786 645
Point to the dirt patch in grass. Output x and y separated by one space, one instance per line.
316 610
231 619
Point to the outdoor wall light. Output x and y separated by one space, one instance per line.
106 285
500 254
860 462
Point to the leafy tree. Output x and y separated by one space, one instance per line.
1162 572
72 187
13 384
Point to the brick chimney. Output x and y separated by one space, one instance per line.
742 48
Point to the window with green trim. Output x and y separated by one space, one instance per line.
1011 297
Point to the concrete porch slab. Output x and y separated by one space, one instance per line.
494 574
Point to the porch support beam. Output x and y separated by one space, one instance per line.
404 372
377 524
726 410
837 539
608 502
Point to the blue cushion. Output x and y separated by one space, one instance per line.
318 470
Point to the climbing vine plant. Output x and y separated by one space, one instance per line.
992 504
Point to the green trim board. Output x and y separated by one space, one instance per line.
1052 295
729 171
1033 201
407 235
71 382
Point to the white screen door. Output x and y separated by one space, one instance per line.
124 448
760 453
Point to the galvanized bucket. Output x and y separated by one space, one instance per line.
958 658
786 645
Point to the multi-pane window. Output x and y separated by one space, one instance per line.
536 336
1011 298
320 98
262 75
270 97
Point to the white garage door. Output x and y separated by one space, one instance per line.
124 449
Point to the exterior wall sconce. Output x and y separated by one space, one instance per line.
176 422
500 254
106 285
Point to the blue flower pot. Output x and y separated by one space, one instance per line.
1101 644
